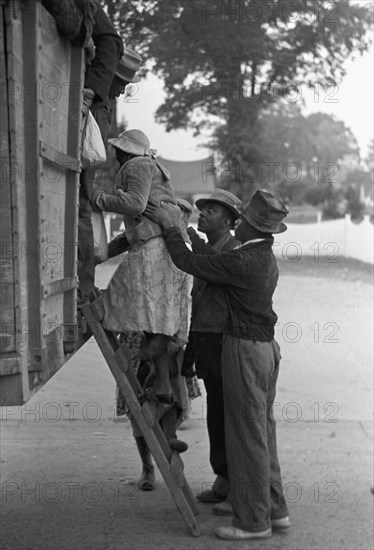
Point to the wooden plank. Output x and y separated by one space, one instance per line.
148 414
14 388
54 76
11 390
71 335
51 207
7 317
10 365
177 469
97 308
59 286
72 185
67 162
18 174
31 57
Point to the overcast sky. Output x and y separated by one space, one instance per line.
351 102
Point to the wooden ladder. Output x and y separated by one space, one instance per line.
167 460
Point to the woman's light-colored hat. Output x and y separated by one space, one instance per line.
134 142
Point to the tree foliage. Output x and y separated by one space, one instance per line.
298 156
225 61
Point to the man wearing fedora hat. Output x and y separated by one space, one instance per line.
97 96
218 213
250 361
106 78
108 50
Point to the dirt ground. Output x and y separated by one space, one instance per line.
69 466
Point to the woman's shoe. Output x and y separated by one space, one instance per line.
210 496
147 480
178 445
223 508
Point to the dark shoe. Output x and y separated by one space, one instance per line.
147 480
210 497
178 445
223 509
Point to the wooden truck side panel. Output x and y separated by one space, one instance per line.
40 148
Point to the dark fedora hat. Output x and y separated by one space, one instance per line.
265 212
223 197
127 66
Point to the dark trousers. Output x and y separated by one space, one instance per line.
216 424
207 350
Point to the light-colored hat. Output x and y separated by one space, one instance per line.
223 197
134 142
127 66
265 212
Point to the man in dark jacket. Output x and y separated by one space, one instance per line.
218 214
98 94
250 361
97 82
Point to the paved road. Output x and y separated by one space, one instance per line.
69 467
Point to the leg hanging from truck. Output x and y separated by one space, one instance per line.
144 414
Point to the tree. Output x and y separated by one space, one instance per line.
355 207
224 61
301 156
369 160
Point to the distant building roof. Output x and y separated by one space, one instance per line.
191 177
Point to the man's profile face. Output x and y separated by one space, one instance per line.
118 87
213 216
